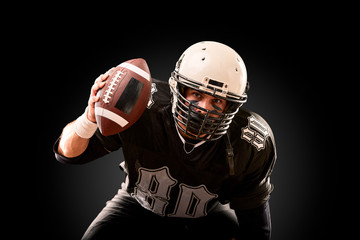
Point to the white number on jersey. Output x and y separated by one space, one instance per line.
153 188
255 133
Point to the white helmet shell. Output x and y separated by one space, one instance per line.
213 65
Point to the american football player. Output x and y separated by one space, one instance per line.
197 164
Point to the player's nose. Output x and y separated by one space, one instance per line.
204 105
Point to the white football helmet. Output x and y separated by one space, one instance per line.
215 69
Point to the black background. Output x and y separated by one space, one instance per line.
282 56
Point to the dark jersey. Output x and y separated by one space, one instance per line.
173 178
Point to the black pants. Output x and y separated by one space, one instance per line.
124 218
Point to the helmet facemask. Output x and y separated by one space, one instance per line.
207 125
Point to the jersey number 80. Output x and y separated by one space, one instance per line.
153 189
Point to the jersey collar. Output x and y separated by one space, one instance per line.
185 142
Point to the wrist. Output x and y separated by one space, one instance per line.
85 128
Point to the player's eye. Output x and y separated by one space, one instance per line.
217 101
196 94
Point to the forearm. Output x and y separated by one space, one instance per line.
71 145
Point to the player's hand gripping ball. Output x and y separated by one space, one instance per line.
124 97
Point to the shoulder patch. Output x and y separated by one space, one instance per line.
151 100
255 133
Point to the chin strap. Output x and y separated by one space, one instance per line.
229 155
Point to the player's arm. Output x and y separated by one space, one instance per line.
71 144
252 191
76 135
254 223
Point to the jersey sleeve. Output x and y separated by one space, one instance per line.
253 188
255 156
99 146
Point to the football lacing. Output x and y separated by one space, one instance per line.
109 91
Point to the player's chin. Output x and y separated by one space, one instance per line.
190 132
194 135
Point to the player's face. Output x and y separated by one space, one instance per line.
206 101
212 104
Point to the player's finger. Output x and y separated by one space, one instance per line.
95 99
104 76
98 79
95 88
110 71
100 84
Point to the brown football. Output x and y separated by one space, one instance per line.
124 97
